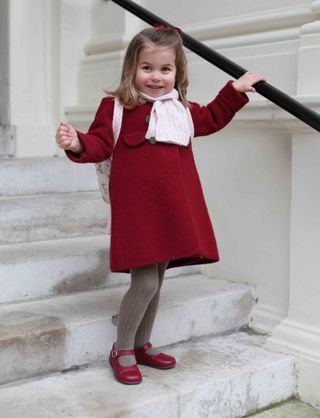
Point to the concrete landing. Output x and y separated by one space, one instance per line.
290 409
217 377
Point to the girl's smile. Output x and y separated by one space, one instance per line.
156 70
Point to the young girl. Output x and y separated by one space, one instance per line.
159 216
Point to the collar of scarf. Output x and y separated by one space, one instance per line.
169 121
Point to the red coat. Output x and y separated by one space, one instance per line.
157 204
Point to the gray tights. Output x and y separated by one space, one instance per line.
138 309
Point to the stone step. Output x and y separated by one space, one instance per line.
23 176
51 216
63 266
65 331
47 268
215 377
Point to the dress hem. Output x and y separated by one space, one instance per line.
175 262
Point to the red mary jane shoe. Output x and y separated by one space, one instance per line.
130 375
159 361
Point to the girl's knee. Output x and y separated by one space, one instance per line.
146 279
150 288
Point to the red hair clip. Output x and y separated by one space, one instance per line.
161 26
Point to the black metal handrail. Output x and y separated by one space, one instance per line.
265 89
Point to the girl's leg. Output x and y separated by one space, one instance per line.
144 285
144 330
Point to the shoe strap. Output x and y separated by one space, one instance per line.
144 347
118 353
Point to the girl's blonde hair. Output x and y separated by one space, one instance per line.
169 37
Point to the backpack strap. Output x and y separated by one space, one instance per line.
116 127
103 169
117 119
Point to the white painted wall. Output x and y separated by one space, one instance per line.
75 31
246 175
30 73
45 43
75 26
6 133
188 12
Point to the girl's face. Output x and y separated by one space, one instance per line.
156 70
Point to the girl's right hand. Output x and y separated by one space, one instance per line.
244 84
67 138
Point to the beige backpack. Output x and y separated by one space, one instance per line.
103 169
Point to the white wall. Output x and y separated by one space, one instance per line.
45 43
6 133
187 12
30 73
246 175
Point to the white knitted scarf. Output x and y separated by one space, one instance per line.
169 121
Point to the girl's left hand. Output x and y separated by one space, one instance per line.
245 82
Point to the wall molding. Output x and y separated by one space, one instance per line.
269 26
101 52
256 22
297 338
254 39
265 317
103 44
7 140
311 28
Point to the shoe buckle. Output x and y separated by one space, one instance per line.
114 353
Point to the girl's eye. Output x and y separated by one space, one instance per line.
166 69
146 67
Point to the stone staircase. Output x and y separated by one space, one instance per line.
58 315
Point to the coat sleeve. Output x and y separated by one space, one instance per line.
98 142
218 113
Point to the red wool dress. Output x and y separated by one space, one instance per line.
158 210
